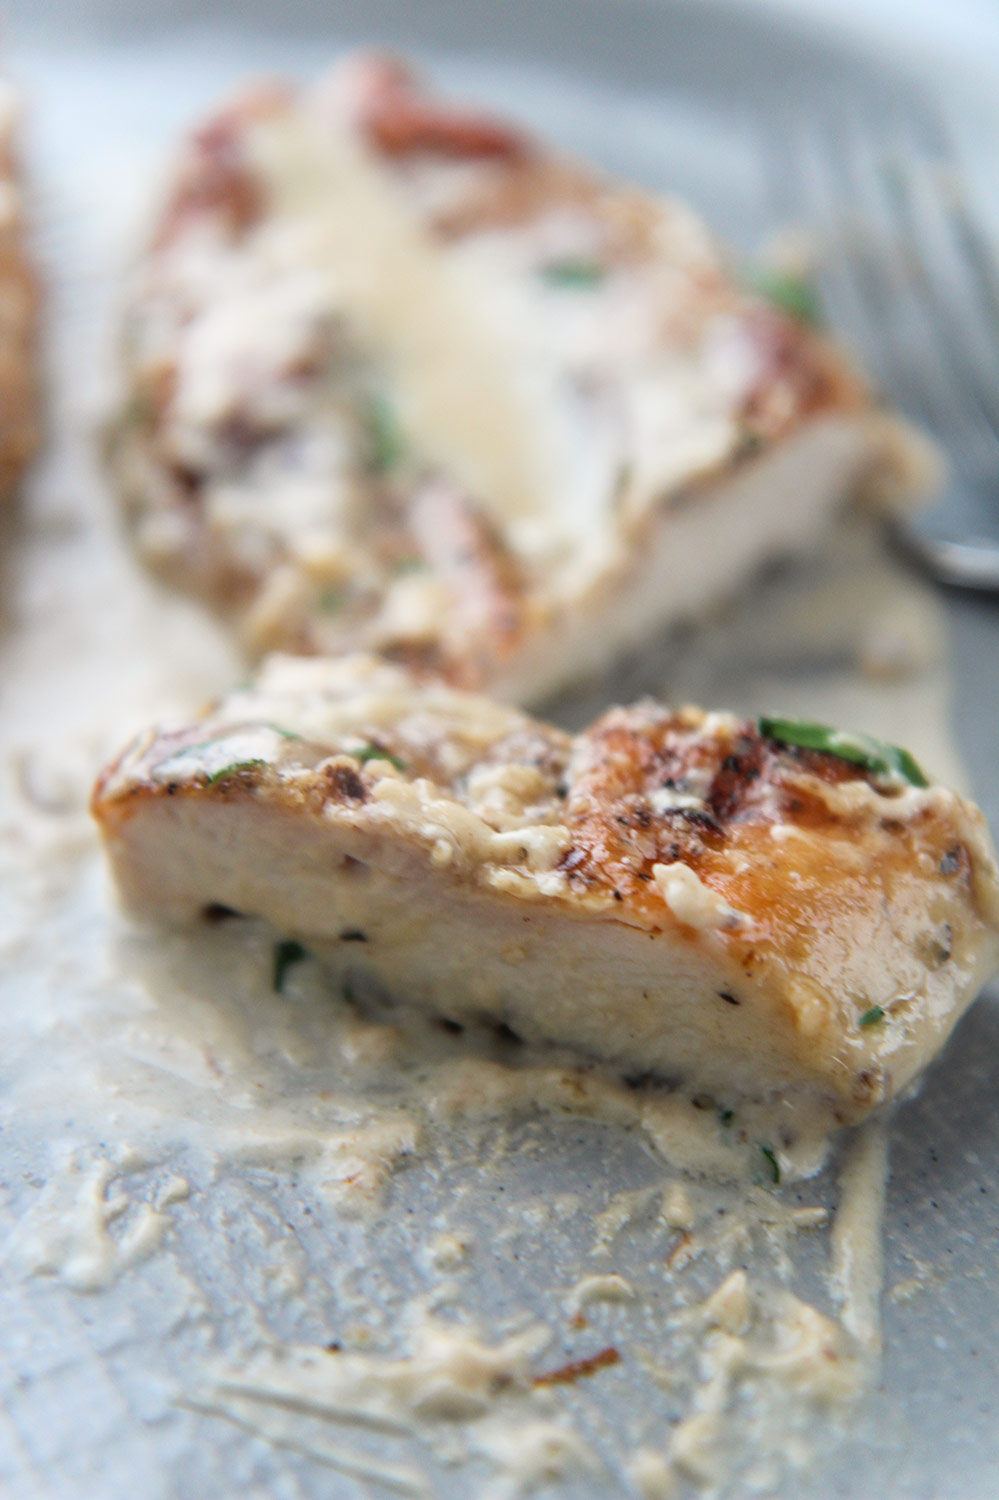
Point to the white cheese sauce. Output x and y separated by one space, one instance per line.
336 215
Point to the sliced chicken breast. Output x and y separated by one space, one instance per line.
19 297
755 909
398 377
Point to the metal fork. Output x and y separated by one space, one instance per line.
910 281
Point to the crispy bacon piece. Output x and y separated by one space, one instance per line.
398 117
215 179
580 1369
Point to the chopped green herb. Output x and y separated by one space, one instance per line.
224 772
574 274
876 756
138 410
385 436
773 1165
286 734
408 565
375 752
331 599
749 443
286 954
726 1116
794 294
873 1016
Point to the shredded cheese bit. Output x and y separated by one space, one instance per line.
693 902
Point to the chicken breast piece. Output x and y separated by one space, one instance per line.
19 298
752 909
400 378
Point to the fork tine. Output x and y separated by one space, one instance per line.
944 235
931 130
859 209
910 285
874 274
910 281
795 185
855 259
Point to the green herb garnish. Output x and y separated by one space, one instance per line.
232 769
286 734
793 294
408 565
138 410
773 1165
573 274
876 756
286 954
331 599
873 1016
375 752
387 445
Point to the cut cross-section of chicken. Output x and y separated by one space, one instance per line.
398 377
756 909
18 310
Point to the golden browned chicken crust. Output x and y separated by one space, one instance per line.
683 894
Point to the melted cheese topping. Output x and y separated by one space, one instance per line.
564 367
693 902
337 223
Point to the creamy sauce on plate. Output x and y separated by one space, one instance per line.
154 1077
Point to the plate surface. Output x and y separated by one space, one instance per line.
663 93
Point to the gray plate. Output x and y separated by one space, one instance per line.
89 1398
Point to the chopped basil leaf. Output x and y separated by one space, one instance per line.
408 565
230 770
749 443
138 410
773 1165
873 1016
876 756
793 294
331 599
375 752
384 435
286 954
576 274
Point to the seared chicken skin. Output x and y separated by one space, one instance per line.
398 377
18 312
709 900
